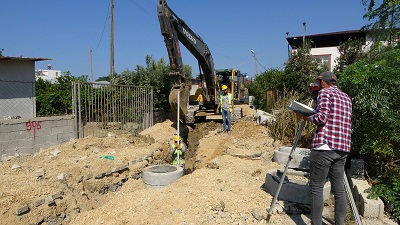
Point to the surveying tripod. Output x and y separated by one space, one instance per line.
346 182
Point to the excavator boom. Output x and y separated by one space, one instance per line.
176 31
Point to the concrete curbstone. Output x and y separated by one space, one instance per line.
300 157
359 186
373 208
291 186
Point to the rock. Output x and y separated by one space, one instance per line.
39 202
14 167
111 135
257 215
6 158
94 149
55 152
61 176
219 207
39 173
23 210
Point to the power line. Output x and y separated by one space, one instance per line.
261 65
104 27
144 10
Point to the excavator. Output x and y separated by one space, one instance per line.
175 31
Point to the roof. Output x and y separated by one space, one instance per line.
22 58
327 39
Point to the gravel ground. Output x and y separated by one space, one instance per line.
72 183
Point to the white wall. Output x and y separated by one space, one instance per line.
331 52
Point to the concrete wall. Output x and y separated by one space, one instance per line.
27 136
17 89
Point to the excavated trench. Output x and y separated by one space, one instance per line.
90 192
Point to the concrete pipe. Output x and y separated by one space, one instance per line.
160 176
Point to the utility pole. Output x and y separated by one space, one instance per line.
255 60
304 32
112 39
90 58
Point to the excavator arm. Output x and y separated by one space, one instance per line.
175 30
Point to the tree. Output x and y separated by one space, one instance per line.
153 74
273 79
350 51
107 78
374 86
386 14
1 52
301 70
54 99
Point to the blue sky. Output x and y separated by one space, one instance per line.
65 30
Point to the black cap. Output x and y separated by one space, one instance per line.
327 76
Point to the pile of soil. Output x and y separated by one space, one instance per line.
98 180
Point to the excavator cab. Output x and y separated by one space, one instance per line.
235 82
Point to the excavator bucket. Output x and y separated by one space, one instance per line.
183 93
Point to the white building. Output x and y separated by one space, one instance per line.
325 46
49 74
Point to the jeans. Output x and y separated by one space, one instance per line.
322 164
226 118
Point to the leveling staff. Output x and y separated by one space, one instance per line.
330 146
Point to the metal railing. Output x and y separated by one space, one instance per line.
104 108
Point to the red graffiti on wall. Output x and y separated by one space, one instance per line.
33 125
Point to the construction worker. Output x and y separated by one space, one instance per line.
226 104
177 151
200 100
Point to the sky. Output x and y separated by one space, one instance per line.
65 31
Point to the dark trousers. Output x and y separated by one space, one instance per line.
322 164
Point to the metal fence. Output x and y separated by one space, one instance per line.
104 108
17 99
272 96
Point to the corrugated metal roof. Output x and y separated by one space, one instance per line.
23 58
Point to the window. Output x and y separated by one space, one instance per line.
323 60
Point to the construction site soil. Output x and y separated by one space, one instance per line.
98 180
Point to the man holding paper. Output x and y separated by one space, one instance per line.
330 145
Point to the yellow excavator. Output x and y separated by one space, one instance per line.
176 31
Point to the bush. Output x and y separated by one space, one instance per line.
285 126
374 86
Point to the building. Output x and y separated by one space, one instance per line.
17 87
49 74
325 46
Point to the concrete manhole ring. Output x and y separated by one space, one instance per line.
159 176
